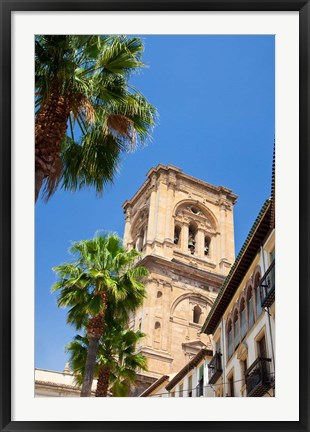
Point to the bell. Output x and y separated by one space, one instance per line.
191 243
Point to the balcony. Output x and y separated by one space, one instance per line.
215 368
258 379
267 287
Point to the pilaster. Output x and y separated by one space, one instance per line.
184 237
152 211
200 242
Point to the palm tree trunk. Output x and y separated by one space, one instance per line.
89 366
95 329
103 381
50 129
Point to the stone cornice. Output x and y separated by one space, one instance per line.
181 269
192 181
156 354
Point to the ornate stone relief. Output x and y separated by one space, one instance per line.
192 212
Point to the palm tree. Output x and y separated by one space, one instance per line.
117 362
102 269
129 361
87 114
117 358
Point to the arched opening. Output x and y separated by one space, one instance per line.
207 246
192 231
242 318
257 295
197 314
140 240
157 330
250 306
194 210
236 328
229 338
177 235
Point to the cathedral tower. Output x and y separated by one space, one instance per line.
184 229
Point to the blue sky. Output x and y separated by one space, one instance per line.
215 98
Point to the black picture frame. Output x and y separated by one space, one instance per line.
7 7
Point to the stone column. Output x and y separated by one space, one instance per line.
169 232
127 236
160 212
151 225
223 230
184 237
200 243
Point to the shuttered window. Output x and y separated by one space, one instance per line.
242 319
236 330
230 340
251 310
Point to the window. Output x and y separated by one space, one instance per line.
229 339
261 347
262 353
196 314
177 234
242 319
172 394
157 330
236 329
250 308
218 345
159 294
181 390
140 240
230 385
257 296
192 238
190 386
207 246
200 382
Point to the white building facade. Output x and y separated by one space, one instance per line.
242 320
50 383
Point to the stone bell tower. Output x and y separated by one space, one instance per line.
184 228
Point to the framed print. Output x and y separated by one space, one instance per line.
219 92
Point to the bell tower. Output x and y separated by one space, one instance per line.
184 229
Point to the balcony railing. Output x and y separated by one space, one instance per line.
215 368
267 287
258 378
